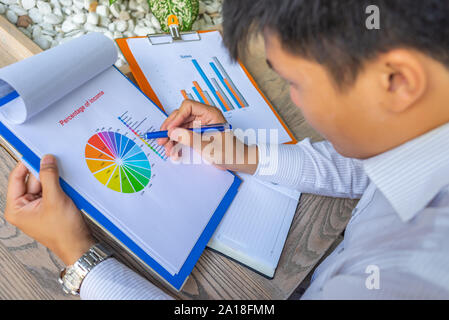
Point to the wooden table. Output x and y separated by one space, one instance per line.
29 271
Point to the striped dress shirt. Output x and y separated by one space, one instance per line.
396 245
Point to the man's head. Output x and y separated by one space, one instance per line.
367 91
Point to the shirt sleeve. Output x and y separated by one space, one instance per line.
111 280
392 286
312 168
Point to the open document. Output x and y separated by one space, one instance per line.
72 102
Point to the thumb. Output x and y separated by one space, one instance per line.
49 177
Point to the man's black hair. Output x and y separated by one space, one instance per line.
334 33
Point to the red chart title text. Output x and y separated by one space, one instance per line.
81 109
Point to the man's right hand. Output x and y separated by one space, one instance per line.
222 149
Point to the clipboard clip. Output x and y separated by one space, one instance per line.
175 35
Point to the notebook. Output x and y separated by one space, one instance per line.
254 230
72 102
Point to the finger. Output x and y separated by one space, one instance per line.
33 185
169 146
163 141
49 176
188 111
17 186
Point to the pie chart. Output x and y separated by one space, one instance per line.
117 162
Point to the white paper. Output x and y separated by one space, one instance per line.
256 224
169 69
45 78
166 218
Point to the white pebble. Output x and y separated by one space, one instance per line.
155 22
42 42
79 18
67 10
51 18
35 15
79 4
11 16
212 8
142 31
131 25
68 26
55 3
109 35
129 34
115 10
44 7
2 8
202 8
25 31
18 10
119 63
46 26
132 4
124 15
50 33
111 27
9 2
37 31
74 33
66 3
104 21
92 18
57 11
102 11
28 4
87 4
143 7
137 14
118 35
121 25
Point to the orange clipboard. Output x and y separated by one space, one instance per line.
148 90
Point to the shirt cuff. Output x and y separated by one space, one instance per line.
280 164
111 280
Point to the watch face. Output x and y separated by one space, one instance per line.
72 280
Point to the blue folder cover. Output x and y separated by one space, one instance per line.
176 280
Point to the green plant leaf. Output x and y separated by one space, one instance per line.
185 10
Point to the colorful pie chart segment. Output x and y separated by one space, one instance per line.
117 162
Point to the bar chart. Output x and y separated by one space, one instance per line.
137 127
219 91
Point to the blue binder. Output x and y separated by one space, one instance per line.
177 280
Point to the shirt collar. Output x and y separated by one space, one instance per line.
411 175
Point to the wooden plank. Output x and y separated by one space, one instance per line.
16 282
14 45
39 262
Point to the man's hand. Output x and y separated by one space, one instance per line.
222 149
44 212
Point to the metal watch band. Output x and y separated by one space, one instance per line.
72 276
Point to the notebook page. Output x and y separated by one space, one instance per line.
161 206
202 71
256 225
44 78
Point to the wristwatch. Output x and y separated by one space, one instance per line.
72 276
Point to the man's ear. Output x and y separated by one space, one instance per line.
404 79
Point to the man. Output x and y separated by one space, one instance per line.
379 97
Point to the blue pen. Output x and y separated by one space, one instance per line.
209 128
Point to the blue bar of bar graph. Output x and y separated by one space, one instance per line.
206 80
224 84
198 95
